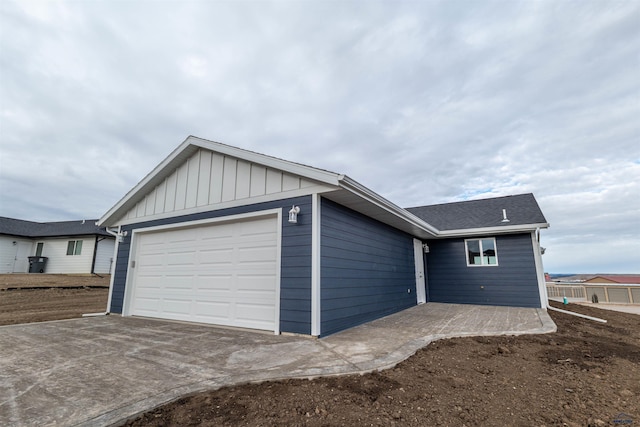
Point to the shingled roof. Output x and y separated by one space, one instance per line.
21 228
521 209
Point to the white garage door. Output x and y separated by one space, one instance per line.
222 273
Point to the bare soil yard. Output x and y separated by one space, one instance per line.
26 298
586 374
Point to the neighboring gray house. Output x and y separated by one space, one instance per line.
72 247
216 234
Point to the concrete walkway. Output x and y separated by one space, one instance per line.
102 370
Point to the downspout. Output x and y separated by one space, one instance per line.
537 259
118 235
95 254
535 238
584 316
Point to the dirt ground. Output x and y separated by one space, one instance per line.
586 374
26 298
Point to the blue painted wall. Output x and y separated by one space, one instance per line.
367 269
295 272
512 283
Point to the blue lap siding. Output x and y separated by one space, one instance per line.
367 269
513 282
295 267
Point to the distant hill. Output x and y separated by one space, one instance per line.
560 275
620 278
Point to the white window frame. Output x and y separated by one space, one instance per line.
479 240
75 251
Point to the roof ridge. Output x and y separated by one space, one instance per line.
472 200
263 154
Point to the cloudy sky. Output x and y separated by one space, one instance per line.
422 102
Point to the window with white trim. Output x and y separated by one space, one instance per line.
481 252
74 247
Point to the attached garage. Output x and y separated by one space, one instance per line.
223 272
224 236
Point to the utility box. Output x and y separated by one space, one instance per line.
37 264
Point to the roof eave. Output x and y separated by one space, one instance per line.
309 172
361 191
504 229
191 145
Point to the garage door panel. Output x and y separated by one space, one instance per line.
176 306
149 304
151 260
212 283
224 273
216 257
253 226
177 284
218 311
253 314
255 283
149 290
256 255
254 241
181 258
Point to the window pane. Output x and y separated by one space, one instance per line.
70 247
473 252
489 252
39 247
78 247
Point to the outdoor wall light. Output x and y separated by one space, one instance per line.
14 243
293 214
425 248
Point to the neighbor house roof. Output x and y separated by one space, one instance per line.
616 278
484 215
22 228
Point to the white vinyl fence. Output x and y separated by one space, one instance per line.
596 293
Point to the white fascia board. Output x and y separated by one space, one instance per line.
491 230
120 208
374 198
190 146
309 172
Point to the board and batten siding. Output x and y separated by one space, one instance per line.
366 269
513 282
210 179
295 267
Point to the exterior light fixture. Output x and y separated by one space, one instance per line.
425 248
293 214
121 235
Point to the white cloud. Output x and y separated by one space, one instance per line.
422 102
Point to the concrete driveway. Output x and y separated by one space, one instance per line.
100 371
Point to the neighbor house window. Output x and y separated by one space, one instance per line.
39 247
481 252
74 247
